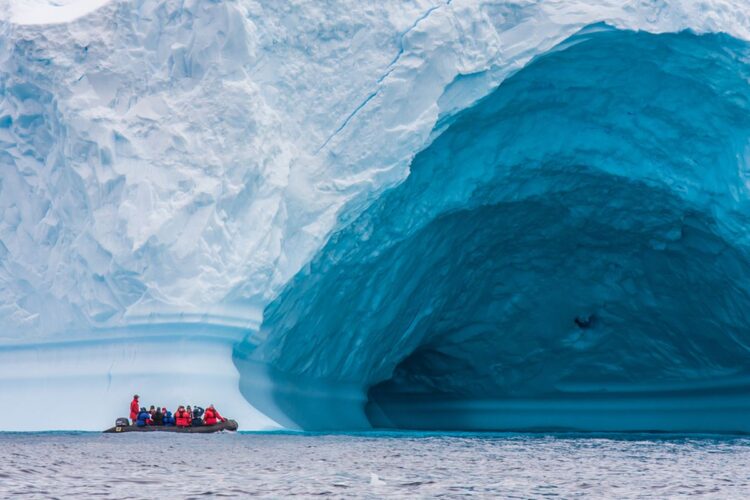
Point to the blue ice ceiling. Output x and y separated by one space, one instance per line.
570 252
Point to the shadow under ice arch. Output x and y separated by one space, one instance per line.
605 180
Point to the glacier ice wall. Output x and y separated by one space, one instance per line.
167 166
187 158
165 157
571 252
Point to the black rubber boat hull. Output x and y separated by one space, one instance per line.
229 425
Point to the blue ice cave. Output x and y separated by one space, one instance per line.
571 252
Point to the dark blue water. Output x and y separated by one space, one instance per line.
373 465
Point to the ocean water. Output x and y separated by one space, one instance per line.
54 465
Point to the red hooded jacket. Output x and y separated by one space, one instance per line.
134 409
211 417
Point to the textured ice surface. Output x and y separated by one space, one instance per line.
607 183
169 162
169 157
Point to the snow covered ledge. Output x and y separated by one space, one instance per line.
86 384
46 12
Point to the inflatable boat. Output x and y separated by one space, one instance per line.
229 425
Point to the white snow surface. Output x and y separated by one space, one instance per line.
188 157
46 12
168 161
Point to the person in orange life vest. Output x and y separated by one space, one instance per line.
212 416
135 408
181 417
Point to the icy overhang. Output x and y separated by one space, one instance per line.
570 252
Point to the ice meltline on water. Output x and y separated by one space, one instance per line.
443 214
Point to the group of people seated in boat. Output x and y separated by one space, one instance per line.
184 416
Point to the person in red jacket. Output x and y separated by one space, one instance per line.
181 417
212 416
135 408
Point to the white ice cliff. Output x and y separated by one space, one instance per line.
168 167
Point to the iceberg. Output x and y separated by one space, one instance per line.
349 215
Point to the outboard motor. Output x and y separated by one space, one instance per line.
122 422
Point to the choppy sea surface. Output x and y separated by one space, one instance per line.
373 465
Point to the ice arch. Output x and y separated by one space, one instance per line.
571 252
